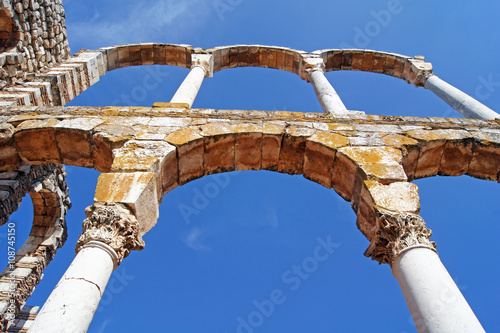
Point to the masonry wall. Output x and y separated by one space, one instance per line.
32 38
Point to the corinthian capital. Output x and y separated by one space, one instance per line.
114 225
395 232
205 61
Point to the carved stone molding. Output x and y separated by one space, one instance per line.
112 224
393 233
312 65
205 61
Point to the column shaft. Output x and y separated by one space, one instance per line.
327 96
436 304
190 86
73 302
460 101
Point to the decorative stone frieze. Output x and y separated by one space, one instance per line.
112 224
395 232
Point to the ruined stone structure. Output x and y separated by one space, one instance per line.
144 152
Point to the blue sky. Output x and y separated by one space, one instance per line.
212 270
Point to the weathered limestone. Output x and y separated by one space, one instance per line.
460 101
110 232
145 152
202 66
49 194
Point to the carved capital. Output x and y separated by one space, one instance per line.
205 61
112 224
393 233
422 69
313 64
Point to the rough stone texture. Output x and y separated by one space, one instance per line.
49 194
145 152
114 225
32 38
396 232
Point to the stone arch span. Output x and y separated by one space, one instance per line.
281 58
145 152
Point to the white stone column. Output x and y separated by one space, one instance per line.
110 232
460 101
327 96
71 305
202 66
435 302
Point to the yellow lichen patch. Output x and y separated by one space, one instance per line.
247 128
171 105
135 189
330 140
364 155
273 128
398 141
340 127
183 136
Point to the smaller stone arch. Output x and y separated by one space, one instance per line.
49 193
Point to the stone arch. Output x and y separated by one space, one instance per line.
48 190
412 70
148 54
76 142
449 152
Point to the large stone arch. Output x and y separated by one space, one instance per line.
145 152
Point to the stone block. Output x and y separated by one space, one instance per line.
344 173
75 147
146 156
123 57
397 197
248 147
456 158
36 142
320 155
112 58
357 60
160 54
102 154
318 163
147 54
219 153
485 163
292 151
272 137
368 62
135 55
190 150
135 189
114 135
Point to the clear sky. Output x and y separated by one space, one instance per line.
215 270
